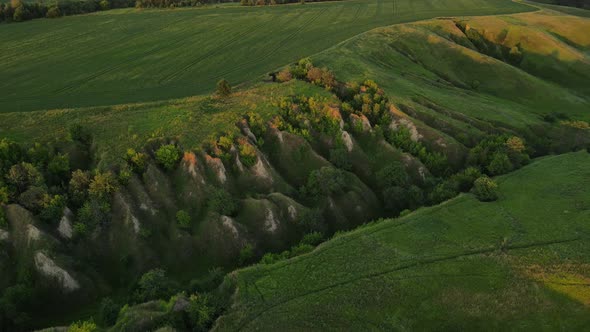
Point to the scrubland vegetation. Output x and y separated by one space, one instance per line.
129 217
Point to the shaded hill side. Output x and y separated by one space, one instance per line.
517 263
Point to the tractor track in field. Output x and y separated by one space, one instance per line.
89 78
213 52
275 50
403 267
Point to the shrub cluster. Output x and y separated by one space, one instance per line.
306 117
499 154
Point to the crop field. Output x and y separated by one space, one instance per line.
131 55
520 263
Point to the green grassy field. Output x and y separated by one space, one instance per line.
520 263
130 55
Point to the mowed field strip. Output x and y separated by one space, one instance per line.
130 55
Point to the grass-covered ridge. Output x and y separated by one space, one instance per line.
132 55
518 263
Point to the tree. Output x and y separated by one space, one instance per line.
339 158
485 189
53 12
137 160
93 212
183 219
20 13
200 312
168 156
102 186
78 187
108 312
153 285
311 221
500 164
325 182
104 5
246 255
52 208
222 202
59 167
393 175
23 175
32 198
4 194
515 144
223 88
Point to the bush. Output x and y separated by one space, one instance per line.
200 312
246 255
222 202
313 238
339 158
465 179
393 175
168 156
154 285
442 192
223 88
183 219
137 160
500 164
92 213
485 189
53 12
108 312
83 326
247 154
271 258
325 182
284 75
311 220
301 249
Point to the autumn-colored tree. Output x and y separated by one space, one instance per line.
515 144
284 75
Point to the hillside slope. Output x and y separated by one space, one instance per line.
132 55
519 263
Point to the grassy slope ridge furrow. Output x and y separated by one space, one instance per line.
106 76
436 247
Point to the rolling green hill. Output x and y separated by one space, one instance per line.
519 263
130 55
